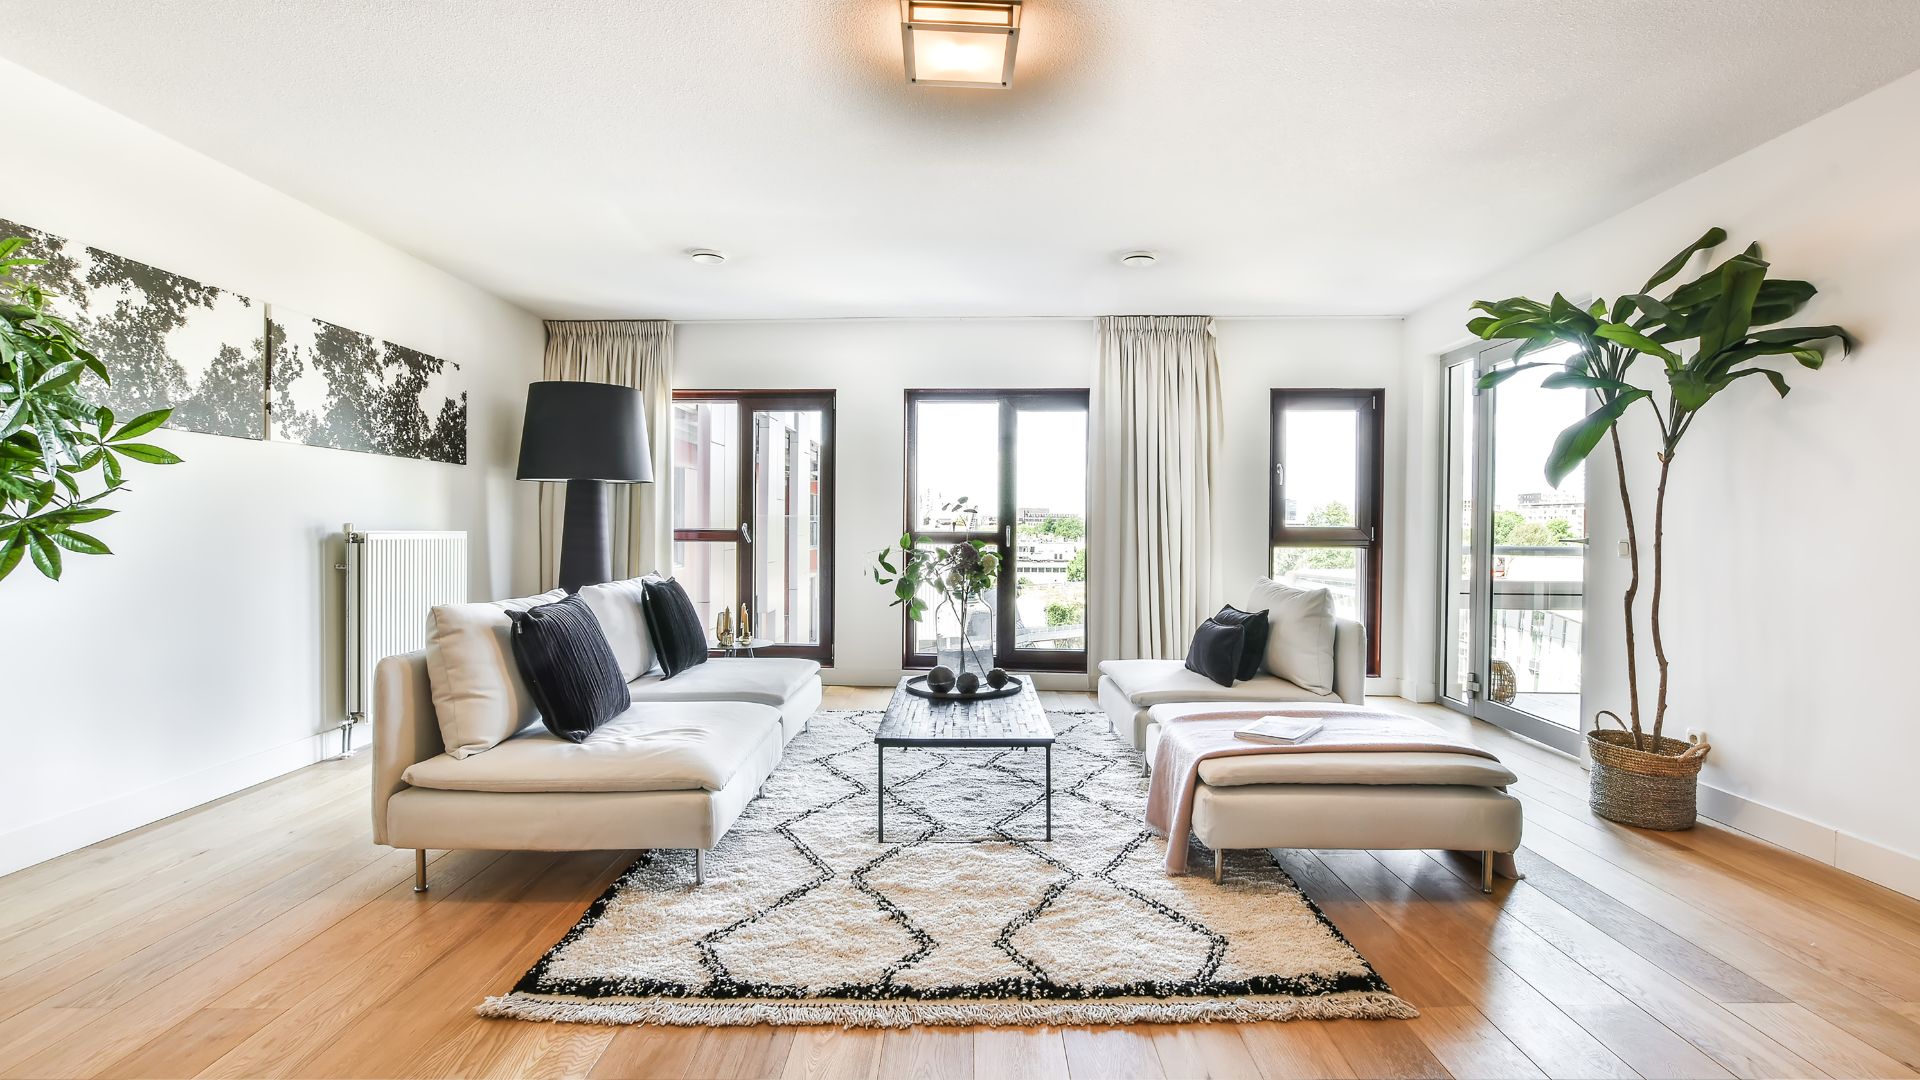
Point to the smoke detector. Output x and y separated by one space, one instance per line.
1138 259
706 257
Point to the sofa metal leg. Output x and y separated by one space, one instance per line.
1486 871
419 869
699 866
1219 864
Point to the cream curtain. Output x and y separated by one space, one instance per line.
1156 446
626 353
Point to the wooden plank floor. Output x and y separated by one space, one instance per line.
264 935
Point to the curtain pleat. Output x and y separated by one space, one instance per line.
626 353
1156 445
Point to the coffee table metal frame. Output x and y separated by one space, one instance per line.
991 741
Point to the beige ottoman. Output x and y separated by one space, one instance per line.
1360 801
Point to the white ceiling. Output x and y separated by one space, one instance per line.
1284 157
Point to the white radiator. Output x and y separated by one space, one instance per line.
393 579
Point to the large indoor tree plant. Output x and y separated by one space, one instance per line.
52 438
1707 335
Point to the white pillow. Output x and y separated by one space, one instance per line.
477 690
617 605
1299 633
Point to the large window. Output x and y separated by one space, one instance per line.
1324 508
1019 459
753 513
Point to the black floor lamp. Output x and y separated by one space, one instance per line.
587 435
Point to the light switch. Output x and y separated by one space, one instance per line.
1625 552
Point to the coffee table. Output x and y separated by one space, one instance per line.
1000 723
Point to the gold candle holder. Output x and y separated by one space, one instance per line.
723 628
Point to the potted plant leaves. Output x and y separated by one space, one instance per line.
1707 335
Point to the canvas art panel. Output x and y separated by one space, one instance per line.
168 340
340 388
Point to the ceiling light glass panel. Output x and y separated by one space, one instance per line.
959 43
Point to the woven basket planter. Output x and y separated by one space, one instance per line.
1648 789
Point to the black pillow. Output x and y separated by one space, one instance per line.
679 639
569 668
1216 649
1255 649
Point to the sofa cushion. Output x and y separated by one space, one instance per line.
1152 682
1254 652
619 607
766 681
679 641
1360 767
1299 633
478 694
650 747
568 667
1394 769
1216 649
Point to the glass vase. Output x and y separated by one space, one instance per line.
966 644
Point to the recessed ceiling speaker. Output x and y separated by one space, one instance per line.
1139 258
705 257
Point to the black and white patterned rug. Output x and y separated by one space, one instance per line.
806 919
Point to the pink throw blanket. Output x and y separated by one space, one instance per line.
1189 740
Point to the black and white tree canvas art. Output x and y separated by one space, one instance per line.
169 341
336 387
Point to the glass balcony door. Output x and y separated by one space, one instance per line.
1513 552
1018 458
753 514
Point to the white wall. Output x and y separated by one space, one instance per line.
870 363
203 657
1790 602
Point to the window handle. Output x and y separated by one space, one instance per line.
1007 532
746 534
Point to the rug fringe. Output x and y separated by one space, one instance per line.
866 1014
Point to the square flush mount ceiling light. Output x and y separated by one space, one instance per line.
960 42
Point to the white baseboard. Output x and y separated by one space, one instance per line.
1383 686
1882 865
43 840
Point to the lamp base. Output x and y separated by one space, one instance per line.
585 557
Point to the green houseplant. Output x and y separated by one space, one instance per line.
52 439
959 575
1706 334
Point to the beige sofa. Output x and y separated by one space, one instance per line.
1128 688
1357 801
674 771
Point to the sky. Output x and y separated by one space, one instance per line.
959 455
1527 419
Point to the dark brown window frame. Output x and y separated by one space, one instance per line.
1009 400
774 400
1368 529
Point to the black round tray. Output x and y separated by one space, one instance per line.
918 687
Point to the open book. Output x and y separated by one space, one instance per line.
1281 729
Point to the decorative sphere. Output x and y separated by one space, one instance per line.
940 679
997 678
969 682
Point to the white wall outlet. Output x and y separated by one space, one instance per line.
1695 734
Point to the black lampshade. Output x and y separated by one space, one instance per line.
585 431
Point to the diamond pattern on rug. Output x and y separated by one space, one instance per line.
963 917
